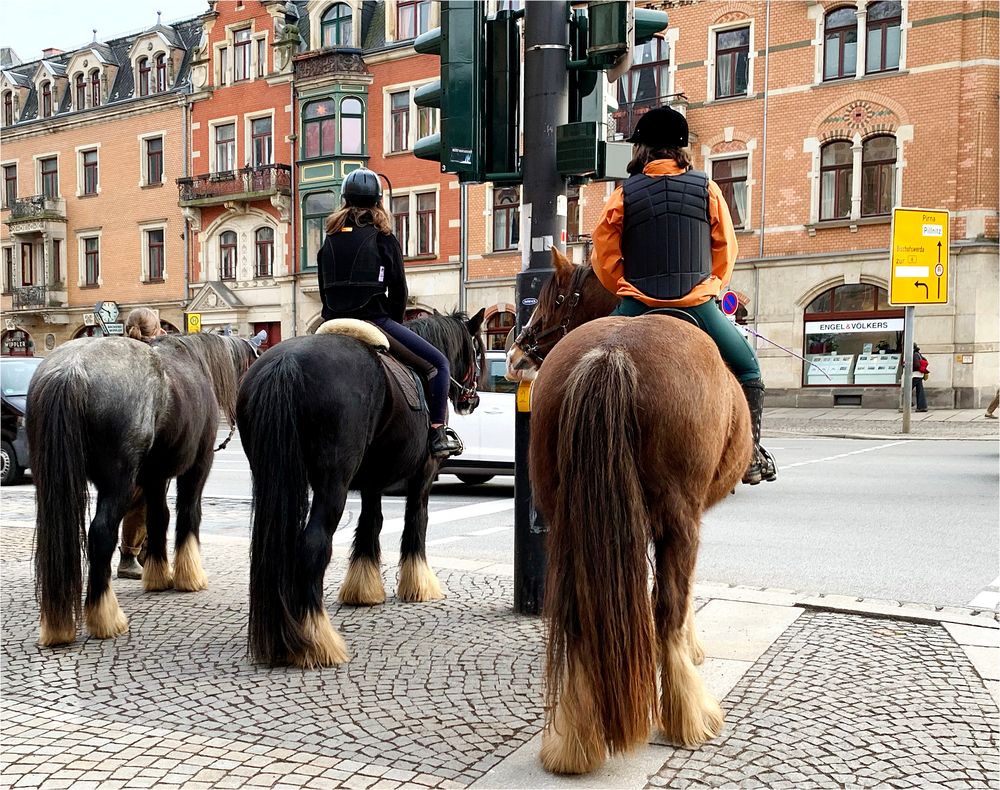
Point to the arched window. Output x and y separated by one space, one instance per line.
882 49
351 126
315 209
143 76
878 175
46 99
227 255
80 94
337 25
836 170
319 130
95 88
264 247
8 108
498 326
161 73
840 42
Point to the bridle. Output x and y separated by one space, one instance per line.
530 341
465 390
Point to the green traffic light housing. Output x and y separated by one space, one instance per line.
615 27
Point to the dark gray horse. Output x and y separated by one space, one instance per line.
127 416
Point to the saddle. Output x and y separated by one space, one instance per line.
673 312
409 371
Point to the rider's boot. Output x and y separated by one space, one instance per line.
445 442
762 465
128 566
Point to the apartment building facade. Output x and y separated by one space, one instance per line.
92 142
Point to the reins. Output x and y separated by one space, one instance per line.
530 343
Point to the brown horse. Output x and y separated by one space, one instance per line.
637 427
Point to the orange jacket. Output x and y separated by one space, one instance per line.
607 258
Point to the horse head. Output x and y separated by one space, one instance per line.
572 296
459 338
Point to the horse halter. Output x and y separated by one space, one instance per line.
467 386
530 342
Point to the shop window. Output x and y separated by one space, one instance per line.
80 92
506 218
261 141
882 48
854 336
316 207
227 255
144 76
840 44
264 247
351 126
337 25
836 176
878 175
319 130
731 176
412 18
732 58
498 326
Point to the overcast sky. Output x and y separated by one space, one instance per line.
28 26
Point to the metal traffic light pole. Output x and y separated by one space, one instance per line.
546 106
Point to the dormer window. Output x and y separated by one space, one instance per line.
46 99
144 76
80 94
161 73
336 25
8 108
95 88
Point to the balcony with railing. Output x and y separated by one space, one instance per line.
623 120
36 208
245 184
28 296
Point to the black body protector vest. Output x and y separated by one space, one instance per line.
666 234
353 270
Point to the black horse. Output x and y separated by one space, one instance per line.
127 416
322 412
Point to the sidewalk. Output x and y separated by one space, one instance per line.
858 423
818 692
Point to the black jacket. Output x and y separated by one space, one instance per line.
361 275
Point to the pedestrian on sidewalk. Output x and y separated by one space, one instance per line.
920 372
142 324
991 410
686 269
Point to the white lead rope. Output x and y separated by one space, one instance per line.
788 351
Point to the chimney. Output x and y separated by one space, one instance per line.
51 52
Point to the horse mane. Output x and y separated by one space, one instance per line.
447 332
547 297
226 358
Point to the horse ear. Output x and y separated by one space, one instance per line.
476 322
559 261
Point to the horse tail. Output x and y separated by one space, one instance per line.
601 632
57 436
268 411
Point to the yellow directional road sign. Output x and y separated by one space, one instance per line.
193 323
919 257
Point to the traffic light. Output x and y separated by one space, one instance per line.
615 28
503 98
459 144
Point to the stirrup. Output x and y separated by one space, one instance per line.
446 443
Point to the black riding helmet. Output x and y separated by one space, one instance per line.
361 188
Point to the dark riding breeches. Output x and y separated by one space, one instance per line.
442 379
733 347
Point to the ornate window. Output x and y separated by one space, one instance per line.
319 130
412 18
399 137
315 209
351 126
46 99
882 49
95 88
878 175
731 176
227 255
144 76
336 25
80 93
161 73
732 56
92 260
261 141
836 175
840 42
154 254
506 218
90 172
264 248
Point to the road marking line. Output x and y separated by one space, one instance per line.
988 597
842 455
394 525
488 531
442 541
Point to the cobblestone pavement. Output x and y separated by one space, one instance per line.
842 701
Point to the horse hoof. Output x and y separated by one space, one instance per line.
105 619
189 576
156 575
417 582
326 647
50 636
563 755
363 584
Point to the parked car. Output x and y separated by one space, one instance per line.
15 373
488 433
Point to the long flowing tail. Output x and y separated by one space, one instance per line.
57 435
267 414
601 647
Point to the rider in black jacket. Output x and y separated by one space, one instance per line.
361 276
